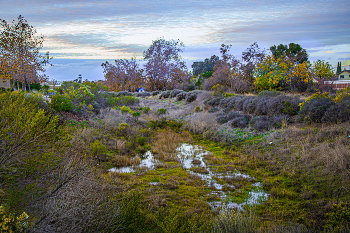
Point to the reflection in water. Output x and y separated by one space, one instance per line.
193 156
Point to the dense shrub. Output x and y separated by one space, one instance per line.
223 118
145 110
261 107
249 104
181 96
125 109
155 93
262 123
214 109
122 101
337 113
24 127
175 92
165 94
314 110
240 103
230 103
123 93
283 105
162 111
61 103
192 96
241 122
269 93
143 94
12 223
213 101
86 98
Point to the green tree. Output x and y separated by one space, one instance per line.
339 67
204 66
293 51
20 56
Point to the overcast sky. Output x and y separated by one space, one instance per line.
81 34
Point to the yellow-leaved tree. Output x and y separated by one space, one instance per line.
20 56
282 73
323 70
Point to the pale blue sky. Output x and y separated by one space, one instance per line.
81 34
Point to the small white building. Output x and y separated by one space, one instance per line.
344 75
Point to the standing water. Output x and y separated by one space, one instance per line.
191 156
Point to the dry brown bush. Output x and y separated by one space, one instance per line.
120 145
77 201
123 161
201 122
165 143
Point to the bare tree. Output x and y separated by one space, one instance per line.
124 75
164 67
20 56
251 57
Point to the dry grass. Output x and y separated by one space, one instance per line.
201 123
328 147
120 145
165 143
123 161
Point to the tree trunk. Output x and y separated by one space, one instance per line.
29 86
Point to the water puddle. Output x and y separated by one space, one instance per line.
147 161
191 158
122 169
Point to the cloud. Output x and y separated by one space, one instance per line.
89 29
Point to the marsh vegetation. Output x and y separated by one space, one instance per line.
176 166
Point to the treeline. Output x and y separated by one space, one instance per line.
286 67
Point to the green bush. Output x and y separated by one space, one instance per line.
97 149
122 101
132 215
136 115
162 111
146 110
339 218
61 103
141 141
197 109
24 127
